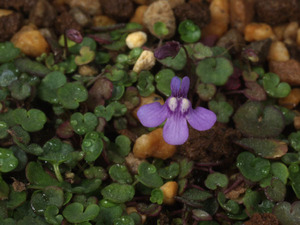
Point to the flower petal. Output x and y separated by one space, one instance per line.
185 85
152 115
201 118
175 130
175 86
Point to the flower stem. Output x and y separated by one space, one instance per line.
57 172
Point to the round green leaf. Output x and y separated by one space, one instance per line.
160 29
118 193
222 109
286 213
75 213
92 146
32 120
157 196
276 191
49 85
82 124
214 70
169 172
71 94
189 32
147 175
145 83
215 180
294 140
8 52
163 79
8 161
176 63
257 120
52 216
38 177
86 56
120 174
253 168
206 91
3 129
274 87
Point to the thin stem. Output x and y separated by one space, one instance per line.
57 172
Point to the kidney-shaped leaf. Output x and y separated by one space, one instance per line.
8 161
286 213
75 212
118 193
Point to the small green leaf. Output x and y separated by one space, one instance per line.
286 213
176 63
52 215
3 129
163 79
257 120
253 168
83 123
214 70
194 194
87 41
71 94
32 120
189 32
145 83
49 85
120 174
8 74
186 167
8 161
86 56
215 180
160 29
169 172
222 109
75 213
8 52
118 193
147 175
105 112
230 205
92 146
294 140
276 191
206 91
20 90
274 87
157 196
26 65
16 198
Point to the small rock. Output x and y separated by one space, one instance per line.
42 14
275 12
102 21
169 190
278 52
153 145
198 12
136 39
86 70
91 7
258 32
138 16
30 41
133 163
233 40
9 25
175 3
120 10
292 100
241 13
160 11
288 71
81 17
145 62
19 5
297 122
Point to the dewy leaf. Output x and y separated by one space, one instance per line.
8 52
31 121
286 213
49 85
266 148
8 161
214 70
8 74
37 176
254 119
71 94
120 174
147 175
83 123
189 32
92 146
274 87
52 215
294 140
118 193
253 168
75 213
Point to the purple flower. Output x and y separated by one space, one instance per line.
178 111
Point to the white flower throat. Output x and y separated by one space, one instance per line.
183 103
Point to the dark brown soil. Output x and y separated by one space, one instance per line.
275 12
212 145
120 10
262 219
9 25
198 12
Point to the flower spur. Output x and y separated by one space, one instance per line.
177 110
